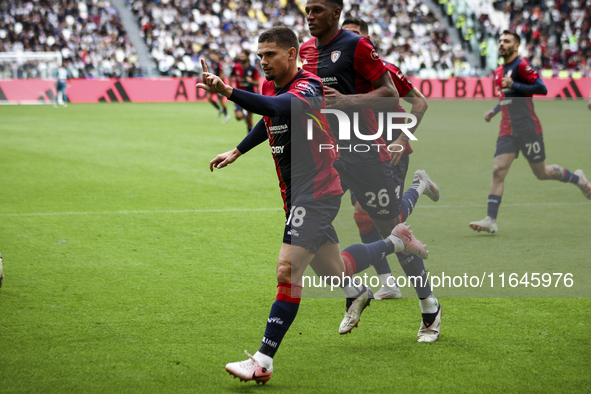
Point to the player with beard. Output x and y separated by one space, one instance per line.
310 187
516 83
353 74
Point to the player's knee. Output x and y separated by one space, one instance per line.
283 272
499 171
239 115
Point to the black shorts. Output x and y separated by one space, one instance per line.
399 171
309 223
531 144
373 185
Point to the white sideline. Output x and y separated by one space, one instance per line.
266 209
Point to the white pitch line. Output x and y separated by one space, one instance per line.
136 212
269 209
506 205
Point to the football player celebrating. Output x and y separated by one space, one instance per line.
516 83
399 162
310 187
353 74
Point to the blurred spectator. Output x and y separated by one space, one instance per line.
88 33
555 34
409 35
178 32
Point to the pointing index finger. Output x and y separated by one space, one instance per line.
204 66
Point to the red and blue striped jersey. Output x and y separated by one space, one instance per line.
349 63
517 108
305 171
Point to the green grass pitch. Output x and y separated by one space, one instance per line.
129 267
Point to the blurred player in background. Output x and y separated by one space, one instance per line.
516 83
310 187
62 80
218 69
399 162
245 77
354 77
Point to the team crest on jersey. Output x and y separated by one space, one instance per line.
305 87
305 62
374 55
335 56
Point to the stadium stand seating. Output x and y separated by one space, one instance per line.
555 34
91 36
88 33
405 31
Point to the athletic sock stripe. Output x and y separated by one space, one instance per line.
289 292
350 265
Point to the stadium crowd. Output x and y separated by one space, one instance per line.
410 35
88 33
555 34
178 32
405 31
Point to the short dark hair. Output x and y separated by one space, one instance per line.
246 52
363 28
283 36
512 33
337 3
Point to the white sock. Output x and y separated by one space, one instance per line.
264 360
429 304
419 186
384 279
399 244
352 289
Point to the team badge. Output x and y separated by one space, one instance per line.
335 56
305 87
374 55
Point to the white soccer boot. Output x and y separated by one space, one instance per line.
226 118
388 292
355 307
431 190
583 184
249 370
430 333
487 224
